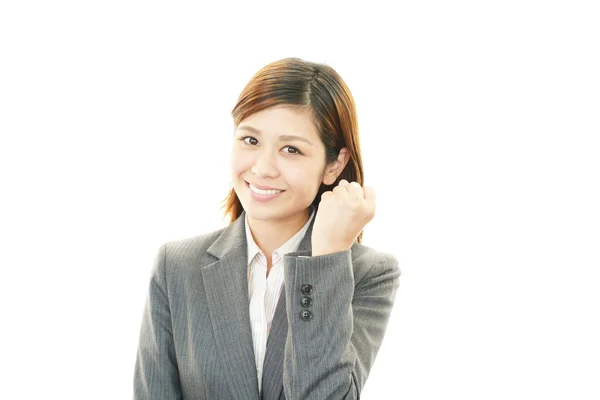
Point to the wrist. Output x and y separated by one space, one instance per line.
328 250
322 246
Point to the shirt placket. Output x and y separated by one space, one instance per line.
257 309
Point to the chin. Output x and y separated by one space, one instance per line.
265 213
270 213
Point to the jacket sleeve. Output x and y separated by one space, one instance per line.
335 325
156 375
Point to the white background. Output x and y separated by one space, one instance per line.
479 126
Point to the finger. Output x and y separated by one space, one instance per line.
342 185
343 193
340 190
326 195
370 197
355 189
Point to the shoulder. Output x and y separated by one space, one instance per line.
189 250
369 262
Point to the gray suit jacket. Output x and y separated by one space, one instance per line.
196 341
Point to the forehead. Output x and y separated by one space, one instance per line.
283 120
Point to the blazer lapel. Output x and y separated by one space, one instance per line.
272 384
226 288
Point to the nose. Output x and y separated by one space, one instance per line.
265 165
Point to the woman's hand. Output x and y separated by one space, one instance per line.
342 215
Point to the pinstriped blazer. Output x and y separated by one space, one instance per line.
196 341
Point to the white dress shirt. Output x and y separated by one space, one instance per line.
264 291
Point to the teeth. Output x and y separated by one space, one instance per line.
259 191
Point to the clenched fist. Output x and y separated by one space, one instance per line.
342 215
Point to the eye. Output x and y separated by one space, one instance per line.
295 150
248 137
253 141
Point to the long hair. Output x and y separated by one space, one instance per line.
317 88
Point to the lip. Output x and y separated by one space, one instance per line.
263 187
262 197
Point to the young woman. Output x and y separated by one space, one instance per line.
285 302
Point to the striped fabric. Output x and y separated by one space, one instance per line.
264 291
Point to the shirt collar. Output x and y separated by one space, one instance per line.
288 247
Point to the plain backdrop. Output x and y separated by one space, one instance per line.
479 124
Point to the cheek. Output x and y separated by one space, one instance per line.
240 161
306 177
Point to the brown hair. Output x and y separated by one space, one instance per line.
317 88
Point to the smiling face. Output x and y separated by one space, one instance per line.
278 148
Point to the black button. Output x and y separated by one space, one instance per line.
306 302
305 315
306 288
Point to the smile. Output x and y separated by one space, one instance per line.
262 196
263 192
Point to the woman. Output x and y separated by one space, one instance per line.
285 302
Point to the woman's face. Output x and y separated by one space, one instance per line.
277 148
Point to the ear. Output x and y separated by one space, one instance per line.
333 170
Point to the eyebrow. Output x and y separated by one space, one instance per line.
281 138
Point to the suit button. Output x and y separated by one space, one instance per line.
305 315
306 302
306 288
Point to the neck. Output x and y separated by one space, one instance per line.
271 234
